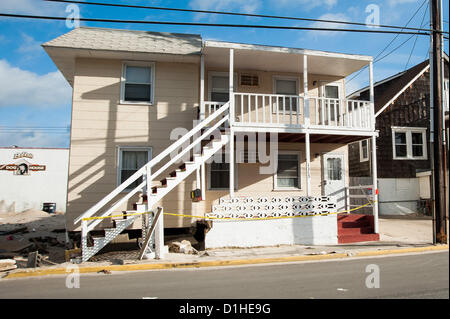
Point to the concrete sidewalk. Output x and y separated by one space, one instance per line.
397 235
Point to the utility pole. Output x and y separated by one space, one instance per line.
438 151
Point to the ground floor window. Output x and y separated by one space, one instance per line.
219 174
130 160
364 150
288 170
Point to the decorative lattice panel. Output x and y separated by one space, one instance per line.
271 206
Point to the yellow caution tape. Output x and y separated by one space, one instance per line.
229 218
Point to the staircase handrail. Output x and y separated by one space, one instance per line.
142 171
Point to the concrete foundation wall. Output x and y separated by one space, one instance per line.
316 230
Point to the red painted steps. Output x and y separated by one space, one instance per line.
354 228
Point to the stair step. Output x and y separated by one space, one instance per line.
358 238
357 224
355 231
164 181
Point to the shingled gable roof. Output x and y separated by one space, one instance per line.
387 90
128 41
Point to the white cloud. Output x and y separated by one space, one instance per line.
244 6
31 7
304 4
393 3
329 16
24 88
29 45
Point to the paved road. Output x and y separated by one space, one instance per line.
407 276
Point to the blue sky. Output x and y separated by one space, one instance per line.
34 94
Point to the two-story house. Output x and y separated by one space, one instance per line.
146 105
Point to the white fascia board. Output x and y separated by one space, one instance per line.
267 48
402 90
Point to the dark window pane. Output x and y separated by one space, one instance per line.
137 92
400 138
220 175
400 150
332 92
219 97
417 138
364 149
417 150
220 179
287 172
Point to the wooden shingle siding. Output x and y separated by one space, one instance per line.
410 109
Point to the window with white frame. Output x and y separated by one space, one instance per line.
288 170
137 85
219 174
409 143
363 150
331 103
132 159
286 86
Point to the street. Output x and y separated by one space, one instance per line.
423 275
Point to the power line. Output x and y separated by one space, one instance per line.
256 26
237 14
415 40
385 48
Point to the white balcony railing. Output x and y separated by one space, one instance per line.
288 111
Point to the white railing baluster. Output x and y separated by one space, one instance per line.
290 110
264 108
256 108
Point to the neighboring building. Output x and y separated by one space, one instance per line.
31 177
402 111
131 89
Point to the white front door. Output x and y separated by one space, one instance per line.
333 172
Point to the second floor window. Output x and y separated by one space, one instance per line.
285 86
137 83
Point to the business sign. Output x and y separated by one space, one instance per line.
22 167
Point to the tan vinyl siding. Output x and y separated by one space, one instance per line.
100 124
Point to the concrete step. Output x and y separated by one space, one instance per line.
344 239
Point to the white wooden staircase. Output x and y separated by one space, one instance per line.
107 207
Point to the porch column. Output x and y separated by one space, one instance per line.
305 91
307 122
202 87
374 150
231 121
308 168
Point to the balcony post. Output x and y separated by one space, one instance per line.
307 123
202 87
305 91
231 120
372 97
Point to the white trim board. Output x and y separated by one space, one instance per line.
402 90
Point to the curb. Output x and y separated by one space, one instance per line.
216 263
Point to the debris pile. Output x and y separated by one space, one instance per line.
32 238
183 247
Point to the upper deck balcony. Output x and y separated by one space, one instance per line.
273 89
